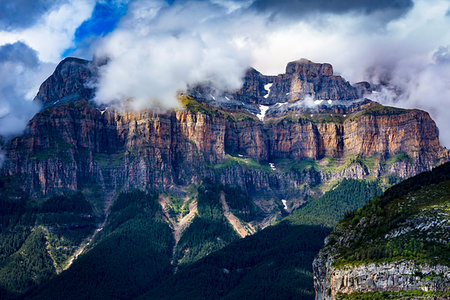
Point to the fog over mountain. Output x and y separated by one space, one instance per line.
156 48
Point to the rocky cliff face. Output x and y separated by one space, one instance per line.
74 144
396 243
72 80
379 277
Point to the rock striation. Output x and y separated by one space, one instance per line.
74 143
379 277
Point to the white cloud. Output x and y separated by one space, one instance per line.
21 74
54 31
159 49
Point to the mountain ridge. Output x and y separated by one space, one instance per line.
269 154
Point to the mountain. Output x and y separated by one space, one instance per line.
397 246
222 166
66 146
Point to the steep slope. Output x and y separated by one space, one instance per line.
132 255
73 144
38 237
396 246
272 264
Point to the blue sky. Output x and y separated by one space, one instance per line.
104 18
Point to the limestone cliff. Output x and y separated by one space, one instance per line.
396 244
74 144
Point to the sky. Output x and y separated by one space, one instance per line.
156 47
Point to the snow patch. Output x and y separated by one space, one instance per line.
272 166
318 101
102 111
284 201
267 88
329 101
263 109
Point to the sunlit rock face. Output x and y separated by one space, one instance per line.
239 138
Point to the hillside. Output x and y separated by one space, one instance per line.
395 246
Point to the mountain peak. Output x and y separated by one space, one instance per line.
309 68
69 82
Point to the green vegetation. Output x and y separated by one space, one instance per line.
75 203
423 199
104 160
332 165
209 231
377 110
132 255
415 294
244 162
37 237
59 150
194 106
177 207
290 165
240 203
239 116
397 158
304 118
347 195
26 268
275 263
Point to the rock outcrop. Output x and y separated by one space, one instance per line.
396 243
72 80
379 277
302 80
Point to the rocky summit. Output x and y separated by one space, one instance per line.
224 165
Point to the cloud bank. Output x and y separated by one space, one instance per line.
19 70
159 49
